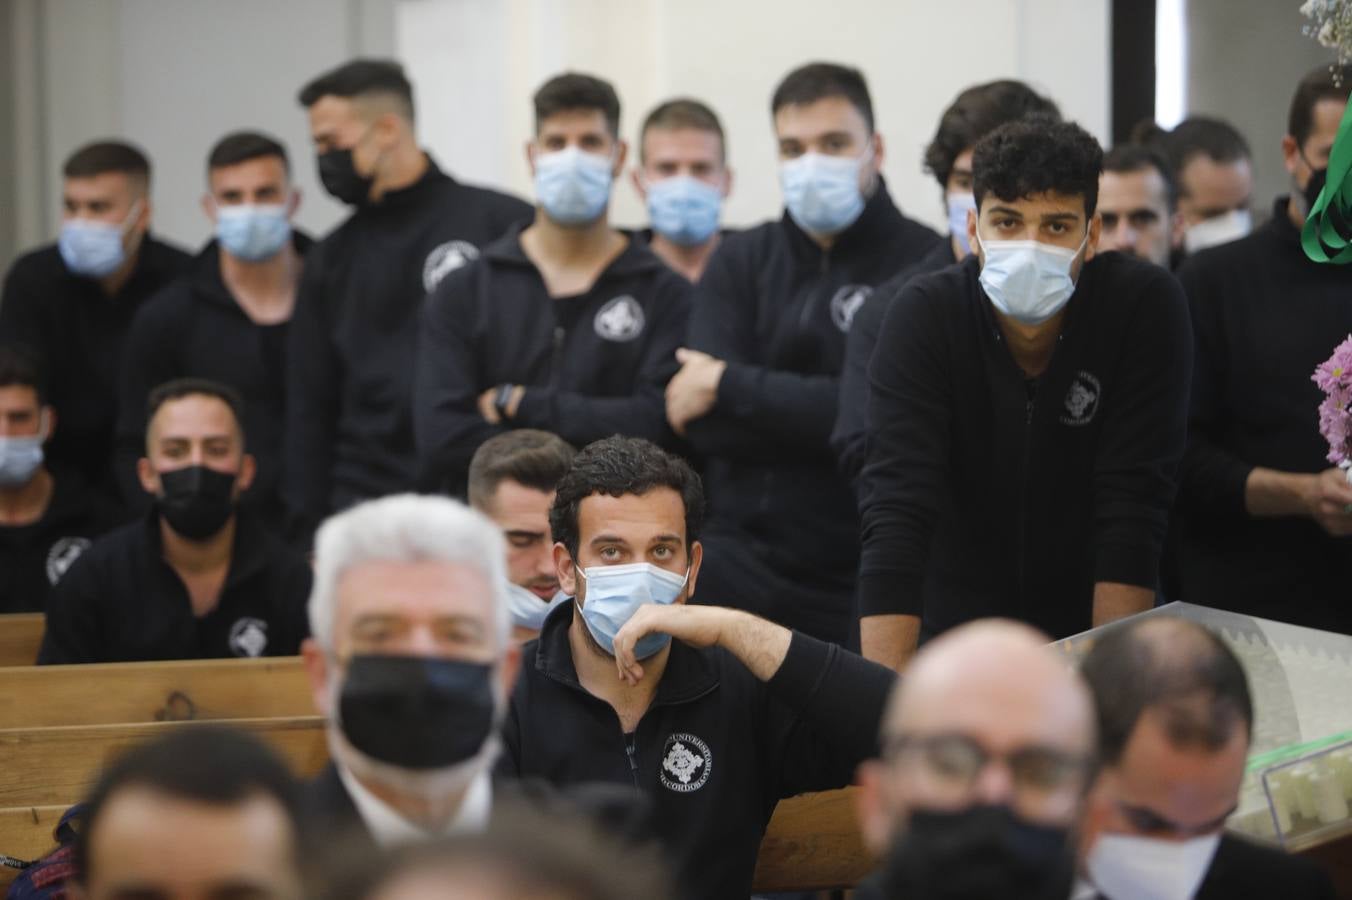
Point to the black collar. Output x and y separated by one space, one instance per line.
249 553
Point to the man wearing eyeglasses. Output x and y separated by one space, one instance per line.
1175 720
987 756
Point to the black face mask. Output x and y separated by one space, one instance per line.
1313 187
416 712
978 853
340 178
196 501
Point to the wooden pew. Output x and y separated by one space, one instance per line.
46 766
20 638
26 834
41 696
812 844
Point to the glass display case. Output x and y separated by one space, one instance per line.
1298 788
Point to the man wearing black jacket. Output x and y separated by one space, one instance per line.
566 326
48 515
1264 520
975 113
759 384
227 319
1028 414
196 578
1175 720
351 346
713 727
71 303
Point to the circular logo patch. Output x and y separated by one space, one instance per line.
1082 399
62 555
446 259
846 303
686 763
249 637
621 319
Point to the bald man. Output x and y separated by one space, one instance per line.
987 755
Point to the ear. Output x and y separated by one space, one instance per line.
388 127
876 820
293 204
143 220
49 414
621 154
248 470
727 183
637 180
318 671
1177 226
1290 154
146 474
564 570
1094 821
1095 232
696 558
879 150
971 235
209 207
530 157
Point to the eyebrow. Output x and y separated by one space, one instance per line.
607 539
669 538
522 532
1061 217
1006 210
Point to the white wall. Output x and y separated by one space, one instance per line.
174 75
476 63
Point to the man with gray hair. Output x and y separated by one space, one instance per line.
412 664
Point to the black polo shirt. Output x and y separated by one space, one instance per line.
122 602
77 331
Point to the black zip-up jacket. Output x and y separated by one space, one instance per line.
1265 316
849 437
715 751
990 494
34 557
776 308
349 400
77 332
196 328
122 602
593 364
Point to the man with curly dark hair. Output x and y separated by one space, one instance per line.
1028 414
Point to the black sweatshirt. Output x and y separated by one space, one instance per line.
776 308
1265 316
349 406
848 438
196 328
77 331
714 753
34 557
122 602
990 494
593 364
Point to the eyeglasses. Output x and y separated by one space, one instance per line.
954 762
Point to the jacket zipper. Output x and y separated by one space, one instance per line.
1029 405
556 355
631 751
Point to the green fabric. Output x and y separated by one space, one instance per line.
1327 235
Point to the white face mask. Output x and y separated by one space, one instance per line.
528 610
1140 868
1029 281
958 207
1222 229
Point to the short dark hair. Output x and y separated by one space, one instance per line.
532 458
1322 83
362 78
819 80
574 90
975 113
102 157
242 146
1195 136
179 388
1171 665
683 112
616 466
1037 156
1127 158
203 763
19 368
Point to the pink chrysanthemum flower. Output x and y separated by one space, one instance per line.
1334 377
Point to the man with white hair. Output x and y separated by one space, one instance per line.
987 749
412 664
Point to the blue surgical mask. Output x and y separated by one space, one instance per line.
614 594
822 192
1029 281
958 207
20 458
251 232
94 249
572 185
684 210
527 609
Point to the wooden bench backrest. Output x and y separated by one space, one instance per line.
20 638
41 696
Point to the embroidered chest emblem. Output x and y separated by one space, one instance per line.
686 763
1082 400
